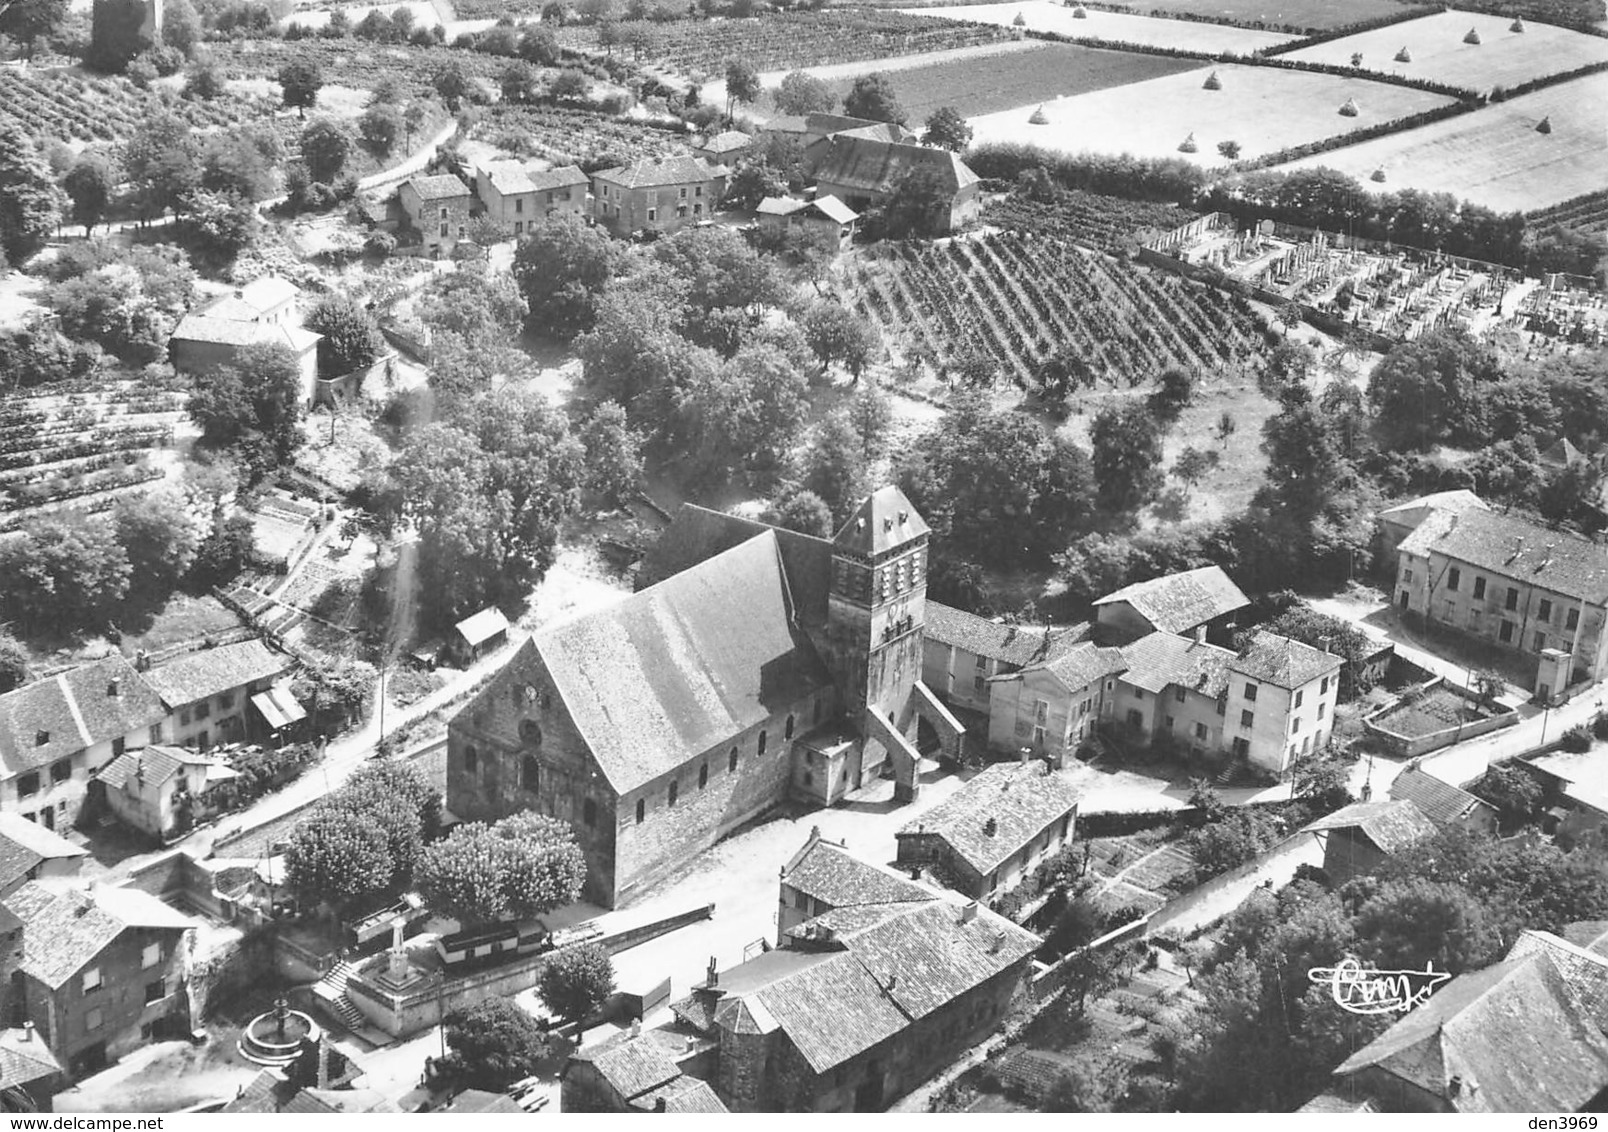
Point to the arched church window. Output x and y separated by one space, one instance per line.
530 775
530 732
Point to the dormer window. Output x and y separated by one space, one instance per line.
41 738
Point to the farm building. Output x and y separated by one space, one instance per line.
1358 838
479 634
1195 601
807 129
726 148
656 195
1397 522
264 312
826 221
207 691
517 196
862 168
823 876
437 208
1441 802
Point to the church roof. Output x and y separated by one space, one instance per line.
697 534
884 519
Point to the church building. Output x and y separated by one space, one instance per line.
755 665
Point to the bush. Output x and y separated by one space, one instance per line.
1577 740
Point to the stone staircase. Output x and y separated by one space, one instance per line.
331 991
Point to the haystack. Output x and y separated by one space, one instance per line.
1517 24
1377 175
1404 56
1188 145
1544 126
1473 37
1213 82
1038 118
1350 109
1080 13
1020 20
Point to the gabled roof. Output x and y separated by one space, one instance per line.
65 929
833 209
634 1064
478 628
1282 661
1013 644
1176 603
684 1094
237 332
25 845
1585 971
1441 802
1511 547
74 710
441 186
990 818
1392 826
561 177
1560 453
677 669
474 1101
1456 501
209 672
24 1057
781 206
1510 1038
508 177
883 520
652 172
866 164
726 141
831 874
1158 661
157 764
1083 664
266 292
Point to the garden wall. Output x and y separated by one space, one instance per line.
1408 746
1048 980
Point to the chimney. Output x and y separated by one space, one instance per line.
713 973
968 912
1024 754
658 1104
636 1027
27 1032
893 982
323 1064
1200 634
999 941
904 517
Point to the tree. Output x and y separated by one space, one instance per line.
802 93
483 307
325 146
538 45
252 407
30 203
335 693
613 454
802 511
222 225
1287 364
241 163
491 1045
381 126
742 84
946 128
577 980
116 35
834 466
163 163
1175 389
562 267
1408 924
570 85
1227 426
181 27
1192 466
515 869
750 183
65 573
29 21
223 553
1062 371
871 97
160 537
451 84
351 338
837 334
336 859
1127 457
918 205
13 663
204 83
746 415
1516 794
299 83
89 185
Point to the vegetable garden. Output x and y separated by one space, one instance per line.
580 137
63 104
1019 297
1107 224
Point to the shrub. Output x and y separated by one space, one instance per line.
1577 740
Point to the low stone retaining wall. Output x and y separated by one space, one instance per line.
1408 746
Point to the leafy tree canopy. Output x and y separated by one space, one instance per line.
514 869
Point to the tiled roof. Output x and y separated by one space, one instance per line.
1561 453
198 675
234 332
786 124
158 764
24 1057
1510 547
675 670
1083 664
72 711
1178 602
39 842
781 206
697 534
653 172
1441 802
1013 644
1392 826
834 209
831 874
684 1094
442 186
478 628
508 177
472 1101
65 929
266 292
1589 934
1333 1102
866 164
727 141
1282 661
1021 800
563 177
634 1064
1458 500
884 519
1585 971
1513 1036
1158 661
230 307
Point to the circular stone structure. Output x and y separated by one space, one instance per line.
277 1037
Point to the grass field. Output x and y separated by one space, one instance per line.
1494 156
1045 15
1315 15
1262 109
986 84
1435 42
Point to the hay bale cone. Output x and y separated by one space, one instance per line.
1404 56
1038 118
1473 37
1188 145
1350 109
1517 24
1080 13
1212 82
1544 126
1020 20
1377 175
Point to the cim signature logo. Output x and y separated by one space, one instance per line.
1362 990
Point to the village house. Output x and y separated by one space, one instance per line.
862 169
1395 523
661 724
517 196
726 148
208 692
1443 803
104 970
29 851
1359 838
263 312
158 791
56 733
989 835
1280 701
656 195
806 129
272 1091
437 208
29 1072
823 876
826 222
658 1070
1535 592
1194 603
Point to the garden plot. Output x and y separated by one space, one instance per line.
1262 109
1436 48
1120 27
1495 156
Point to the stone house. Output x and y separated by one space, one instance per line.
1358 838
517 196
1195 603
656 195
665 722
104 970
989 835
1443 803
660 1070
823 876
265 311
1396 522
826 222
207 693
437 208
806 129
1507 581
29 1072
1280 700
29 851
158 791
725 148
861 168
56 733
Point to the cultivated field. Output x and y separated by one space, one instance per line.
985 84
1495 156
1263 109
1318 15
65 104
1501 58
1045 15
